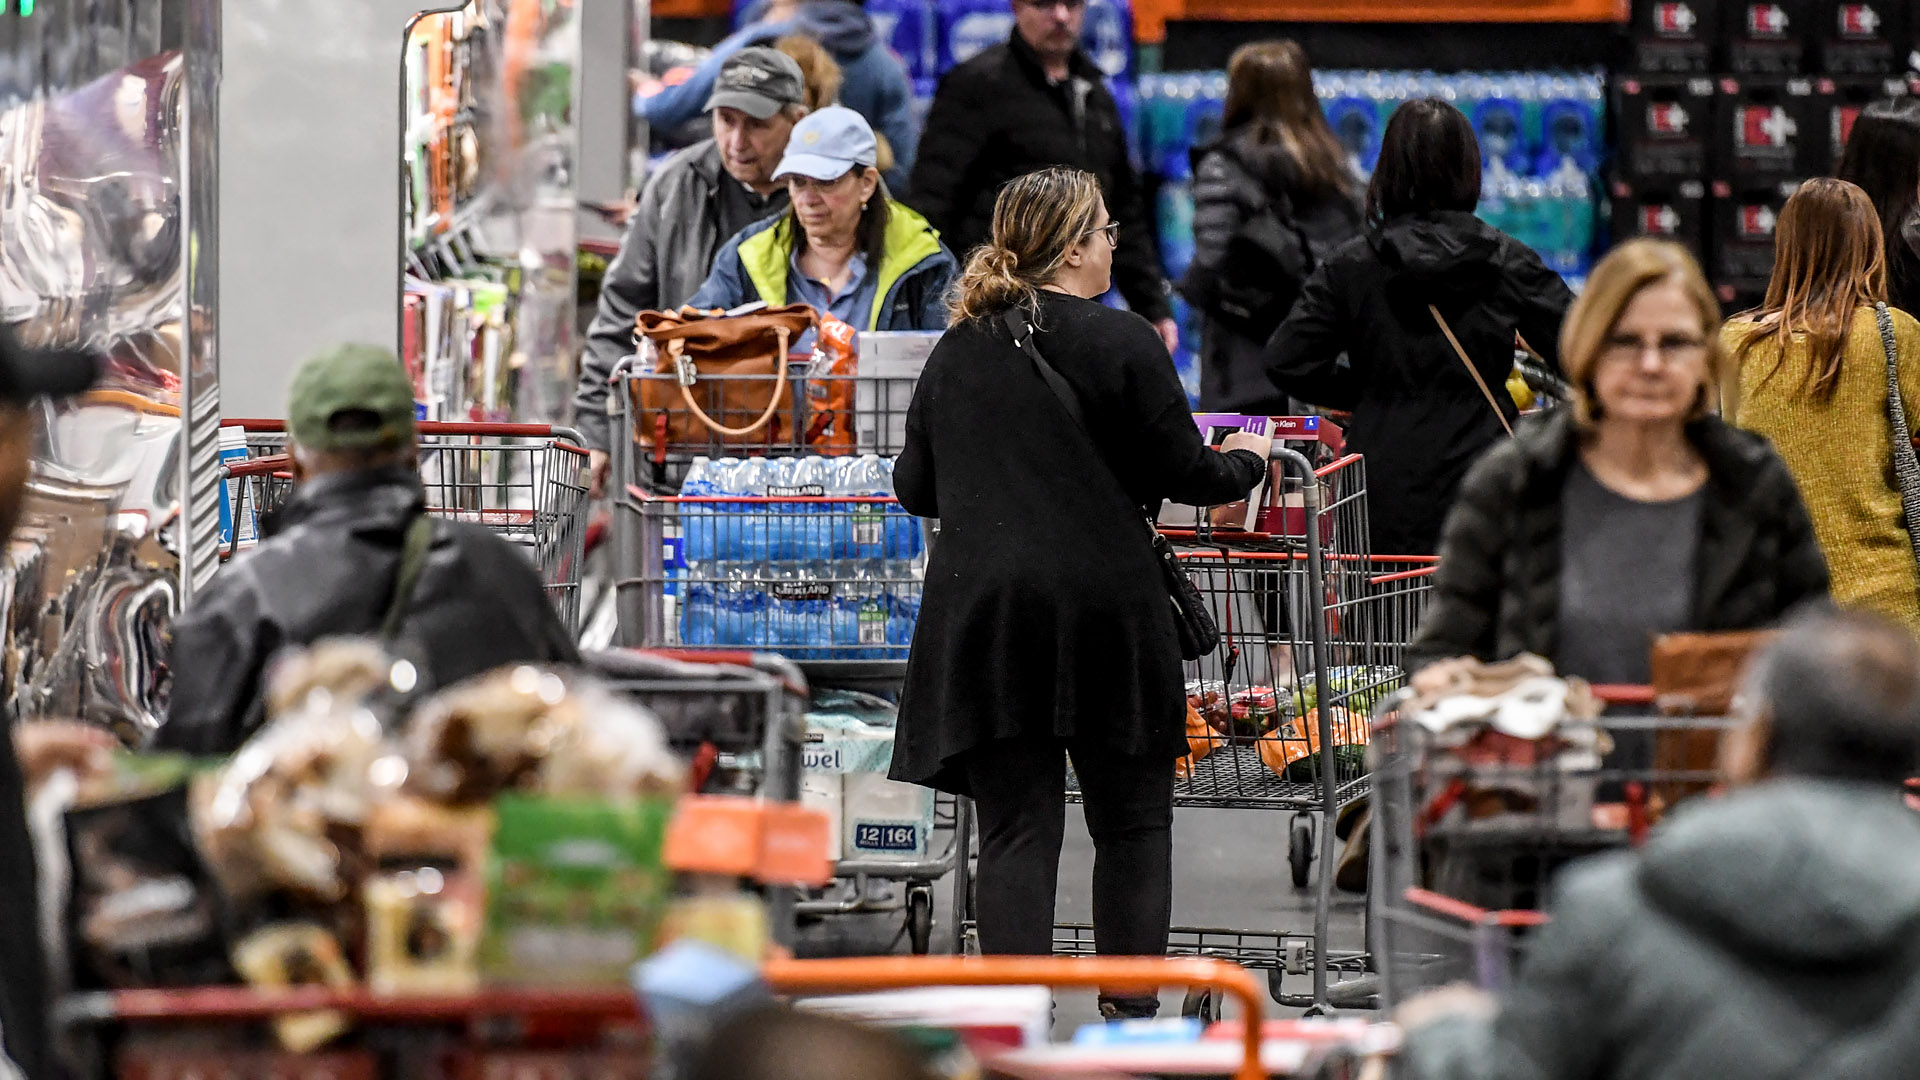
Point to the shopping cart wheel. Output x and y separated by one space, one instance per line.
1201 1005
920 919
1300 849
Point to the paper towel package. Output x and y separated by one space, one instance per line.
844 772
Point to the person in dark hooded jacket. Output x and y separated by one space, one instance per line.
1364 336
873 81
1275 189
1768 934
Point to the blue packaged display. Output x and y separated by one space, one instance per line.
966 27
1108 36
908 27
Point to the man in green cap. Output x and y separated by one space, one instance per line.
353 553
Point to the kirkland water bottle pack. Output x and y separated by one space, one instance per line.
822 576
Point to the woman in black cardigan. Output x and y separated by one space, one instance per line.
1045 629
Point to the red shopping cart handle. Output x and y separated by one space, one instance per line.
1624 694
424 427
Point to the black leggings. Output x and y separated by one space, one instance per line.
1019 793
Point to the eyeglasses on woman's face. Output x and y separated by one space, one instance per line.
1670 349
1112 232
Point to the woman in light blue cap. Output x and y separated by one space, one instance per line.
843 245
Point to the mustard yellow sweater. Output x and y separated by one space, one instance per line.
1841 454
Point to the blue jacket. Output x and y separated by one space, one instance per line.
907 291
873 82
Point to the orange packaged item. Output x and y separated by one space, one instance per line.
830 387
1201 740
1298 739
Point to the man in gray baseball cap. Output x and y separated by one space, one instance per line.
691 205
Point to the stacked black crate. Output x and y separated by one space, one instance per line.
1780 83
1770 133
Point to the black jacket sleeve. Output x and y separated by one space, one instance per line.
1170 458
1303 357
628 289
1463 613
945 172
217 659
1137 268
1543 299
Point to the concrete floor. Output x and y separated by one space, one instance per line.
1230 872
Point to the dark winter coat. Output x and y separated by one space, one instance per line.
1767 935
1235 179
1903 267
1497 590
1044 612
328 568
1417 415
997 117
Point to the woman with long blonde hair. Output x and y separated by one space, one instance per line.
1810 373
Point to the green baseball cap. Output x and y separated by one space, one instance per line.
362 379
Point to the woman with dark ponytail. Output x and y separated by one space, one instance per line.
1046 631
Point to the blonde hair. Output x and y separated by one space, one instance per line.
817 67
1630 268
824 78
1037 220
1829 261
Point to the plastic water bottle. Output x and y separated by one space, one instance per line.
752 527
740 601
699 615
861 532
903 588
905 541
872 602
817 477
696 519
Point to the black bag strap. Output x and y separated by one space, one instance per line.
1016 322
413 559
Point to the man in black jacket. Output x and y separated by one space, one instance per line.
1770 933
1036 101
331 565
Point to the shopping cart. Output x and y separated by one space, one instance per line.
1314 630
526 482
1469 828
831 581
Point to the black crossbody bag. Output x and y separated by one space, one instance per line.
1199 634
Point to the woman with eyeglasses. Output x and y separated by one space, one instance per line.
1810 373
1634 512
842 245
1046 631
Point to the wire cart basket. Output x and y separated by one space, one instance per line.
1314 630
526 482
1469 827
832 582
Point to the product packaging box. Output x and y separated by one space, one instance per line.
1769 37
1665 126
844 774
1772 129
1676 212
1675 37
1862 37
1744 220
575 889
